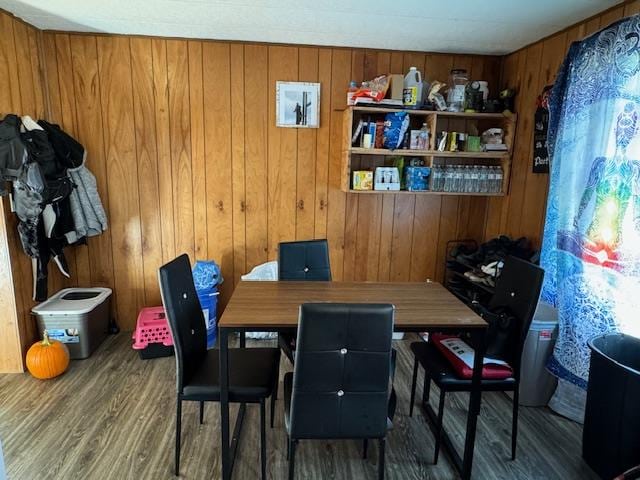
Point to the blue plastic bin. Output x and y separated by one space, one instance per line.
209 303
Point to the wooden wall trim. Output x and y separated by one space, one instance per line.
10 345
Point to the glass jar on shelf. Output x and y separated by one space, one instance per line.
458 80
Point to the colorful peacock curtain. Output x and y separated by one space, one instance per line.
591 246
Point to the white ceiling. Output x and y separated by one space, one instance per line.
461 26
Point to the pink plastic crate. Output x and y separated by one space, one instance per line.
151 327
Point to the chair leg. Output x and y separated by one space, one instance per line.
514 425
365 446
381 444
426 387
292 456
413 385
439 426
263 440
178 426
201 413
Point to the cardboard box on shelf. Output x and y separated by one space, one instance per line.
362 180
396 84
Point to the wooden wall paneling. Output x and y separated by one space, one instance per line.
180 138
322 144
575 33
592 26
256 118
36 72
610 16
306 155
536 184
201 201
144 113
402 236
120 151
522 162
353 201
26 85
218 152
632 8
67 122
16 323
89 131
163 146
50 67
282 152
238 171
341 73
424 249
11 102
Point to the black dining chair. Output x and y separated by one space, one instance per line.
253 372
516 298
306 260
339 388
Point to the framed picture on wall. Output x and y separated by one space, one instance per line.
297 104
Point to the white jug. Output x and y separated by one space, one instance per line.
412 91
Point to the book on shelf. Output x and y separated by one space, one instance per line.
385 102
494 147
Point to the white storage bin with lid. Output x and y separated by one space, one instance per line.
78 317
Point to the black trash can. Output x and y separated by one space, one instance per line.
611 435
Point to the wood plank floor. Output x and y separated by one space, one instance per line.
112 417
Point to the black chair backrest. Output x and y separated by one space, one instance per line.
307 260
517 292
185 317
342 368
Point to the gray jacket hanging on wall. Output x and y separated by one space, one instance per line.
89 217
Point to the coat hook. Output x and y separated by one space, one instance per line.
322 204
243 206
220 205
301 204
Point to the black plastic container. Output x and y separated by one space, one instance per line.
611 435
155 350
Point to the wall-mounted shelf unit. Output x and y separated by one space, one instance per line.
358 158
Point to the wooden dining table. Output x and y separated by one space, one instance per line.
274 306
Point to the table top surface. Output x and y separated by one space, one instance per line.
265 305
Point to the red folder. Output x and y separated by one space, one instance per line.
490 371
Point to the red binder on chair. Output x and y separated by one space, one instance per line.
460 356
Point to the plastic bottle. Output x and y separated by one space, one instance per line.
484 177
459 178
423 141
434 178
491 179
448 178
475 179
466 179
412 90
499 177
353 88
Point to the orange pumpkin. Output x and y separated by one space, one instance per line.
48 358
